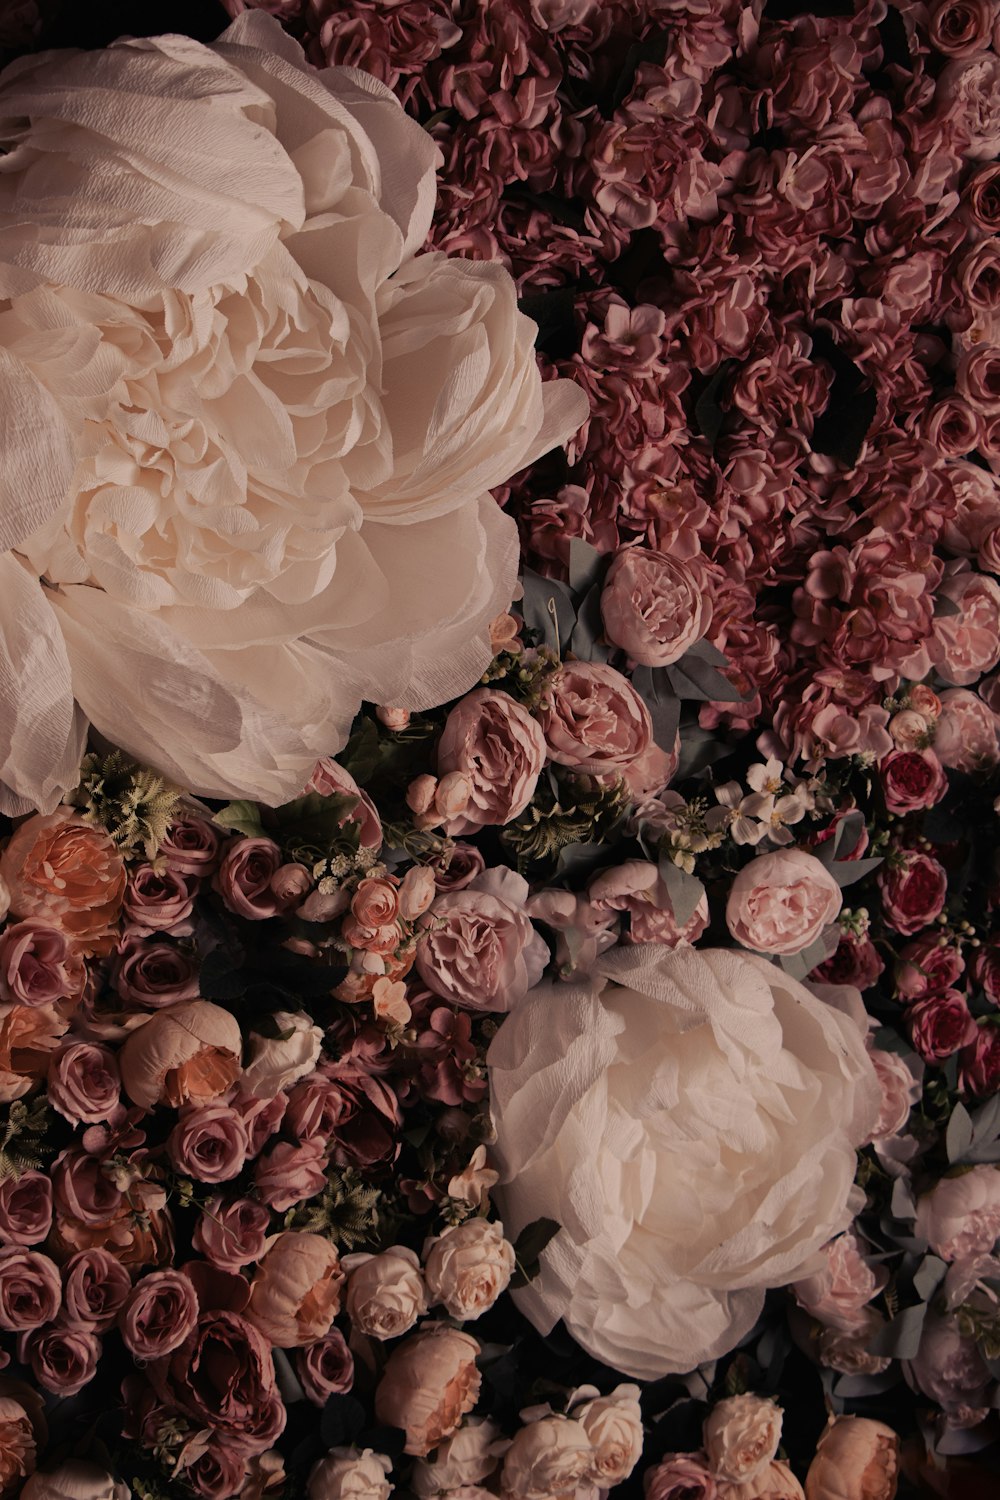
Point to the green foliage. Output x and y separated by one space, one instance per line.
130 802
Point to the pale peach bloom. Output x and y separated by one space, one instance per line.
467 1457
741 1436
774 1482
613 1424
276 1062
29 1034
468 1266
547 1460
385 1293
189 1051
429 1382
350 1474
296 1290
389 1000
66 872
473 1183
856 1459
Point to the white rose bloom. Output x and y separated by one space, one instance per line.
350 1474
278 1062
690 1119
247 430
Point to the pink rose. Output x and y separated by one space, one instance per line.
981 203
741 1436
329 778
350 1474
977 374
416 892
499 748
913 887
459 868
374 903
979 1062
289 1174
231 1234
781 902
928 963
83 1082
951 426
223 1376
296 1291
900 1091
159 1314
325 1368
159 901
63 1356
289 884
192 846
154 974
967 732
429 1382
960 1216
961 28
654 606
30 1289
940 1024
911 780
972 87
594 720
23 1431
243 880
637 887
209 1142
838 1292
95 1287
680 1476
25 1209
479 949
39 965
967 644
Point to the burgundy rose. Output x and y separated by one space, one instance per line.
63 1357
855 961
95 1286
209 1142
986 971
940 1024
911 780
191 846
160 1313
223 1376
325 1368
39 964
979 1062
243 880
498 747
30 1289
159 900
927 965
951 426
232 1234
25 1209
83 1083
978 376
914 887
155 974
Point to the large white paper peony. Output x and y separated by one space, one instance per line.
246 430
690 1119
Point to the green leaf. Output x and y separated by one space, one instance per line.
958 1136
548 608
528 1248
900 1339
655 689
361 753
587 566
693 677
314 819
241 817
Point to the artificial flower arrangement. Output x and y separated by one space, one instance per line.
484 1028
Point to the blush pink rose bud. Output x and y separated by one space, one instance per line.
468 1266
613 1425
780 903
547 1460
654 606
296 1291
429 1382
75 1479
325 1367
385 1293
741 1435
680 1476
350 1474
856 1459
188 1052
395 719
499 749
160 1313
416 892
594 720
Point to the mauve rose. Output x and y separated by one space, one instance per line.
977 374
350 1474
30 1289
911 780
967 644
492 741
463 863
928 963
429 1382
972 87
986 970
913 887
838 1291
741 1436
940 1024
951 426
66 872
960 28
231 1233
82 1190
959 1217
289 1174
329 778
386 1293
39 964
191 846
966 736
781 902
243 880
594 720
189 1052
638 888
83 1082
547 1460
981 200
296 1290
223 1376
62 1356
213 1471
25 1209
262 1117
479 949
159 900
159 1314
95 1286
654 606
209 1142
325 1368
979 1062
680 1476
289 884
75 1479
856 1459
154 974
950 1370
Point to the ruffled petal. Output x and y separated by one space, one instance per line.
37 453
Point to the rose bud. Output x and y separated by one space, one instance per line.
189 1052
856 1459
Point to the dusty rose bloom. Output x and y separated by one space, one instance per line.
160 1313
83 1082
468 1266
478 948
325 1367
741 1436
837 1294
960 1216
296 1291
95 1286
231 1233
429 1382
30 1289
680 1476
66 872
39 964
594 720
637 887
18 1445
491 740
781 902
25 1209
967 732
653 606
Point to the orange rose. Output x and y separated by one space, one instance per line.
66 872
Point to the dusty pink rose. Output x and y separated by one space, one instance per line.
900 1091
950 1370
468 1266
191 846
95 1286
940 1024
231 1233
209 1142
159 1315
296 1290
838 1292
83 1082
741 1436
680 1476
781 902
913 887
289 1174
491 740
62 1356
637 887
325 1367
68 873
479 949
187 1053
159 900
594 720
386 1293
967 732
328 779
25 1209
967 643
547 1460
30 1289
960 1216
911 780
154 974
223 1376
654 606
961 28
972 87
39 964
243 879
854 1458
429 1382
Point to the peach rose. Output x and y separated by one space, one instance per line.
548 1460
296 1291
187 1052
774 1482
741 1436
613 1424
781 902
856 1459
350 1474
468 1266
385 1293
66 872
17 1445
467 1457
75 1479
429 1382
28 1035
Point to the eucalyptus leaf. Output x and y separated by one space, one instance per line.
704 651
900 1339
929 1276
692 677
846 871
655 689
684 890
548 608
587 641
587 566
958 1136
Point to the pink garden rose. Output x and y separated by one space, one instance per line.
680 1476
837 1294
967 643
854 1456
940 1024
63 1356
30 1289
186 1053
547 1460
911 780
244 878
971 86
83 1082
329 778
222 1376
636 887
594 720
159 1315
296 1290
960 1216
961 28
967 732
654 606
781 902
191 846
741 1436
325 1367
386 1293
479 949
468 1266
232 1232
39 964
491 740
95 1287
159 900
209 1142
154 974
25 1209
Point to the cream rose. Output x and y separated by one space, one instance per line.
248 432
350 1474
468 1456
741 1436
75 1479
690 1119
613 1424
278 1062
385 1293
468 1266
547 1460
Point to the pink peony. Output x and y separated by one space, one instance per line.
594 720
653 606
781 902
637 888
429 1382
479 949
499 749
